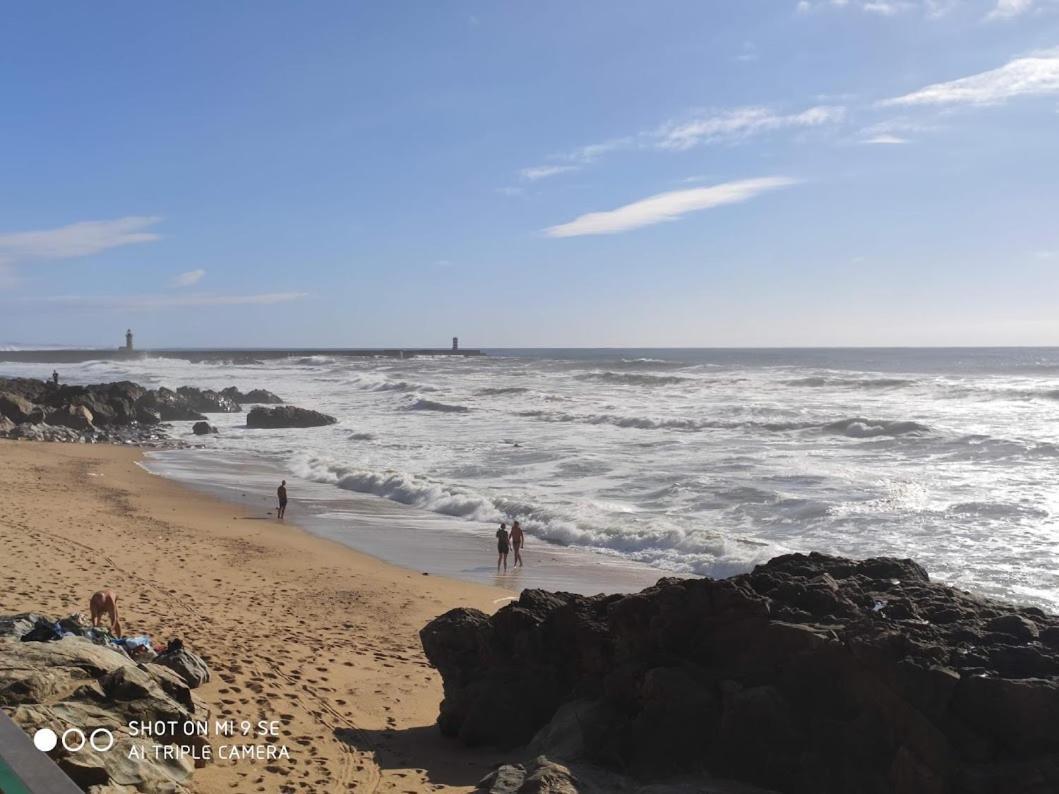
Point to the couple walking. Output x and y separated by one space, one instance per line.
515 539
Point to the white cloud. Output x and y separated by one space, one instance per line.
885 139
740 123
154 302
188 279
77 239
667 207
803 7
1031 75
1008 9
544 171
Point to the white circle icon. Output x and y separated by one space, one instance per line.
108 736
77 733
45 740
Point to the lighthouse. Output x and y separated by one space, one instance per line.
128 341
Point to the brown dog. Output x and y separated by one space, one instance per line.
103 603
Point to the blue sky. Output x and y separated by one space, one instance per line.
599 173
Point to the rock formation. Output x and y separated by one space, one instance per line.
203 428
252 397
74 681
121 412
286 416
809 674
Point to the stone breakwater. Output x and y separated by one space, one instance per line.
809 674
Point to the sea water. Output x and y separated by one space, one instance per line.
690 461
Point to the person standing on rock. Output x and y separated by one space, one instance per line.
55 377
518 540
501 547
281 493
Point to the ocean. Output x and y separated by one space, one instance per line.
689 461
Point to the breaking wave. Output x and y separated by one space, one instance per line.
430 405
492 392
859 427
632 379
850 383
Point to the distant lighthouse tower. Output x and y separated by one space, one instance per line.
455 343
128 341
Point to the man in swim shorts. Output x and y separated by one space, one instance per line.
281 493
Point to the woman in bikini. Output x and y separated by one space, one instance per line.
501 547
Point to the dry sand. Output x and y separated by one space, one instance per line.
296 628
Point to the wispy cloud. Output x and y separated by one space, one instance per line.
669 206
77 239
882 8
704 127
1031 75
885 139
544 171
1009 9
156 302
189 279
740 123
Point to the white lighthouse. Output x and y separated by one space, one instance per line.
128 341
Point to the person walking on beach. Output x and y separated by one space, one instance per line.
518 540
501 547
281 493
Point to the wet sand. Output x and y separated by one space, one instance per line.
297 628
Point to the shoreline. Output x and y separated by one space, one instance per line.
409 537
296 627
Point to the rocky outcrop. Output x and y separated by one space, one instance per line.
74 681
544 776
809 674
252 397
203 428
286 416
208 401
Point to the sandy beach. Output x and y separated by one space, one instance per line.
296 628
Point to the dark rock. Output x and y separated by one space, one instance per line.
208 401
203 428
254 396
809 674
1016 626
168 406
286 416
76 417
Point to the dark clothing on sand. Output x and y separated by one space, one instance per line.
501 541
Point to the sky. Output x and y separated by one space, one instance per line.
599 173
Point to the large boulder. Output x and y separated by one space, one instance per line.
286 416
208 401
76 417
203 428
168 405
809 674
16 408
193 669
254 396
